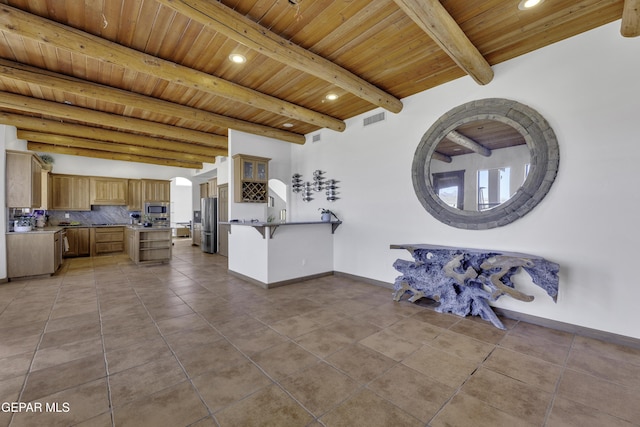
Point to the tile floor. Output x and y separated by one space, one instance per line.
107 343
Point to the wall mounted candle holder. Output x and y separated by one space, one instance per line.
319 183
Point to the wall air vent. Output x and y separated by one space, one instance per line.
315 138
379 117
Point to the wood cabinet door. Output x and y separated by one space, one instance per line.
23 180
108 191
70 192
134 195
156 191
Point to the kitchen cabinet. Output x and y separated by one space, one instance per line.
209 188
154 190
78 239
150 245
251 177
24 180
134 195
34 253
70 192
106 240
108 191
195 234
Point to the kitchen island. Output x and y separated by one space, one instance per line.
148 244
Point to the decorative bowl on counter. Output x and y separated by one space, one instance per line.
22 228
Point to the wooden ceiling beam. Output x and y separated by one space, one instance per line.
36 124
37 76
53 34
49 148
630 26
68 112
463 141
434 20
92 144
226 21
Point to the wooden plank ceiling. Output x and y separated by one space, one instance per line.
151 81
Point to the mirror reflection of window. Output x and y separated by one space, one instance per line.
494 187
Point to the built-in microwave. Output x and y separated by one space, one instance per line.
156 208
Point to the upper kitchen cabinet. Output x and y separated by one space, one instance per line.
70 192
108 191
134 195
154 190
24 180
251 177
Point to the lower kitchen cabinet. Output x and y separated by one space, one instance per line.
78 239
34 253
106 240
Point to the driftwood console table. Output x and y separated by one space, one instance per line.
464 281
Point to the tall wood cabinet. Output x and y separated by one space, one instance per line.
24 180
70 192
251 179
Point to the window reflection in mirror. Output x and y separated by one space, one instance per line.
479 165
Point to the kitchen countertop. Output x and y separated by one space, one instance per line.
56 228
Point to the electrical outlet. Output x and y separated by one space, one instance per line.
66 215
304 261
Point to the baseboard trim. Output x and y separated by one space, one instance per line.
281 283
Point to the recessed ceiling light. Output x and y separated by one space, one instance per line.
288 125
528 4
236 58
331 97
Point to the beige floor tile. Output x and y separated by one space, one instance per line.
116 340
16 365
51 356
566 413
60 377
229 384
390 345
131 384
181 323
605 396
462 346
584 357
209 357
178 405
138 354
354 329
295 326
360 363
68 407
10 388
480 330
465 410
284 359
320 387
415 331
419 395
192 338
258 340
441 320
267 407
368 409
509 395
530 370
443 367
324 341
537 346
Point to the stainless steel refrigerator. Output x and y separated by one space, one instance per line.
209 221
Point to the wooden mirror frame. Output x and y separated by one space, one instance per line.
544 153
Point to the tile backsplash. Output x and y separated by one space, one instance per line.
97 215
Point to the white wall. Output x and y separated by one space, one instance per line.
587 221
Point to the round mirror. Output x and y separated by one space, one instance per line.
485 164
